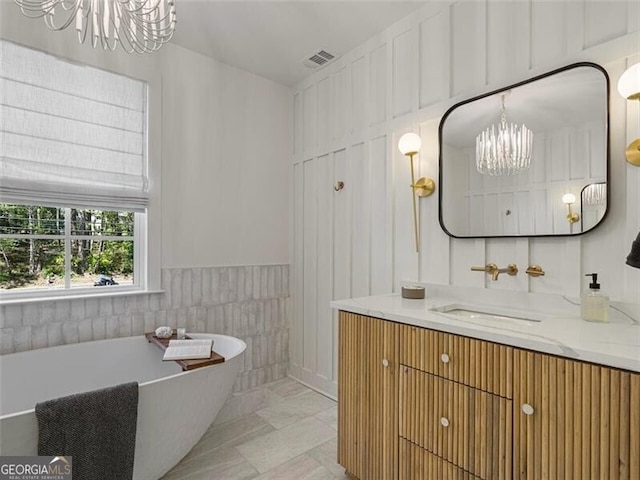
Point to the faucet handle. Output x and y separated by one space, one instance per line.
535 271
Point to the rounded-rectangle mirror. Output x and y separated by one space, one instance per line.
527 159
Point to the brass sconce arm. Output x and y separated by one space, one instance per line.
409 145
572 217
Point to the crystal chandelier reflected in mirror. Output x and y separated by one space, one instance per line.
595 194
139 26
505 148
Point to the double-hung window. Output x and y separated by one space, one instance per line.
73 177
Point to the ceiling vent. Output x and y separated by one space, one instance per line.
318 59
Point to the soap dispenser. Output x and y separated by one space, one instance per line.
595 304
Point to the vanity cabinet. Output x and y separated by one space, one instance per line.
367 397
419 404
574 420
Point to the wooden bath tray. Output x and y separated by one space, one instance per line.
162 344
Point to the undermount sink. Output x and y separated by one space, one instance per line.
489 312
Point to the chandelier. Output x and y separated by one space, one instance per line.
139 26
595 194
504 149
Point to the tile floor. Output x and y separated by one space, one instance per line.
293 438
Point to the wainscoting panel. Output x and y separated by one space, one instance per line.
404 73
378 85
360 173
468 38
310 265
338 119
434 58
324 315
358 94
507 38
405 79
310 118
324 111
341 202
381 272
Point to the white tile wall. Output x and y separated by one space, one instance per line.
249 302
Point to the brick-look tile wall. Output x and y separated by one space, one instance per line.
249 302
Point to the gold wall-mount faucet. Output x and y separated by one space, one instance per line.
493 270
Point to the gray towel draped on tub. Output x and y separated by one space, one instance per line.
97 429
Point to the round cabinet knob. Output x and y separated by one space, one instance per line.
444 421
385 362
527 409
445 358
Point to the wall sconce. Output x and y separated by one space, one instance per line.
568 199
629 88
409 145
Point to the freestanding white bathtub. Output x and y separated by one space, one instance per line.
175 408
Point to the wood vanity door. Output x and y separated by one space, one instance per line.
574 420
367 397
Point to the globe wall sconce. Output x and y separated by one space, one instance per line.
572 217
409 145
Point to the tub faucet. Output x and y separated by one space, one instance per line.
493 270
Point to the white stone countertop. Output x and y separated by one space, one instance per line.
561 332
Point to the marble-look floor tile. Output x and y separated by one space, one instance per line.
293 437
305 435
326 455
246 403
287 387
302 467
329 417
295 408
229 434
277 447
266 452
222 464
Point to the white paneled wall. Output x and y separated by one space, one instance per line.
347 121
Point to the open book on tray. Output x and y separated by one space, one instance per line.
188 349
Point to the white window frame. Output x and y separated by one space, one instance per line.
139 286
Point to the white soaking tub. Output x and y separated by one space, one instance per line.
175 408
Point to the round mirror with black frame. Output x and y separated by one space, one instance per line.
516 161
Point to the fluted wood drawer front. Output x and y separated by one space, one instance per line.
465 426
477 363
574 420
418 464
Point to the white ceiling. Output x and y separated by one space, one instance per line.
270 38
